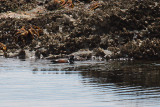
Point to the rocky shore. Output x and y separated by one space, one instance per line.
115 29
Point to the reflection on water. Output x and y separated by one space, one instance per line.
146 75
39 83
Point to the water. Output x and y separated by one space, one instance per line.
39 83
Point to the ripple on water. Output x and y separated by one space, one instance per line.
131 85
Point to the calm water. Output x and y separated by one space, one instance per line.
33 83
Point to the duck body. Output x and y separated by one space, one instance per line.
70 60
60 61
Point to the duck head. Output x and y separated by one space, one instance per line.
71 59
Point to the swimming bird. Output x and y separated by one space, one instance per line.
70 60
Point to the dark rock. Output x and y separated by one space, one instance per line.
22 54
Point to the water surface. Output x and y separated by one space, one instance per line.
40 83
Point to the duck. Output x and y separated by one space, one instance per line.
70 60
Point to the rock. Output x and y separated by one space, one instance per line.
82 55
22 54
98 52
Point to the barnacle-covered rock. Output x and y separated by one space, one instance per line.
125 28
14 5
146 49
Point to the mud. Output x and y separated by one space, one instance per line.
123 29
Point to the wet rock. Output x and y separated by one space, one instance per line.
83 55
38 54
104 42
14 5
146 49
35 69
98 52
52 5
22 54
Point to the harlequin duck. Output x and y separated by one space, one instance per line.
70 60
